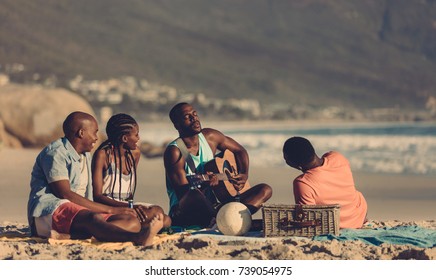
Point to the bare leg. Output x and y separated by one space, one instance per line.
126 222
256 196
194 209
90 223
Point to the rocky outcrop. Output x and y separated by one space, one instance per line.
34 114
7 140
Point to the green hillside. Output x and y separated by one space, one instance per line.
369 53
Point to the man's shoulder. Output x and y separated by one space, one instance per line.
171 150
61 149
56 143
298 179
303 181
209 131
55 147
334 155
336 160
172 145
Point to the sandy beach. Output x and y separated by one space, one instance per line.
393 200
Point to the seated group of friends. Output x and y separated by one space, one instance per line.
82 195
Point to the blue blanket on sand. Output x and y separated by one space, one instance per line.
401 235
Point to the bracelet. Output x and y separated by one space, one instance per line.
140 219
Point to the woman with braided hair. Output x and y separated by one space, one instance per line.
114 166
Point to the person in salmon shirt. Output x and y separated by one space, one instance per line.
325 180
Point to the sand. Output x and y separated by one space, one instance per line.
393 200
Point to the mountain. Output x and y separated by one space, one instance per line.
352 53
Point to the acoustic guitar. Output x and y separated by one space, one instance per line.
225 168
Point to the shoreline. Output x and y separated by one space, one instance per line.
389 196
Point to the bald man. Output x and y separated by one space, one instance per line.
60 200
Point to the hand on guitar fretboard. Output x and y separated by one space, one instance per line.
195 180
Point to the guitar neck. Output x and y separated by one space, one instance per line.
206 177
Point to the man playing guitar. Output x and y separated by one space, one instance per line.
189 154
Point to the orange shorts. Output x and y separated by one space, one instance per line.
63 216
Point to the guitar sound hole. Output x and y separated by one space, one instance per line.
228 168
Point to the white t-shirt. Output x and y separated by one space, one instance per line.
83 176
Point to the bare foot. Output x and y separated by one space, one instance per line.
147 234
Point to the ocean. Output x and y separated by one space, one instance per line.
395 148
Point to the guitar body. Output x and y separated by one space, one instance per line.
225 163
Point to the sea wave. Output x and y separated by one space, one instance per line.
369 153
375 148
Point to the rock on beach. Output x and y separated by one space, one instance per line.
32 115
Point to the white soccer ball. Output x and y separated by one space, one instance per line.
233 218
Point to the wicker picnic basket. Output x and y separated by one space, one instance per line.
300 220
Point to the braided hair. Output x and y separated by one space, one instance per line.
118 126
